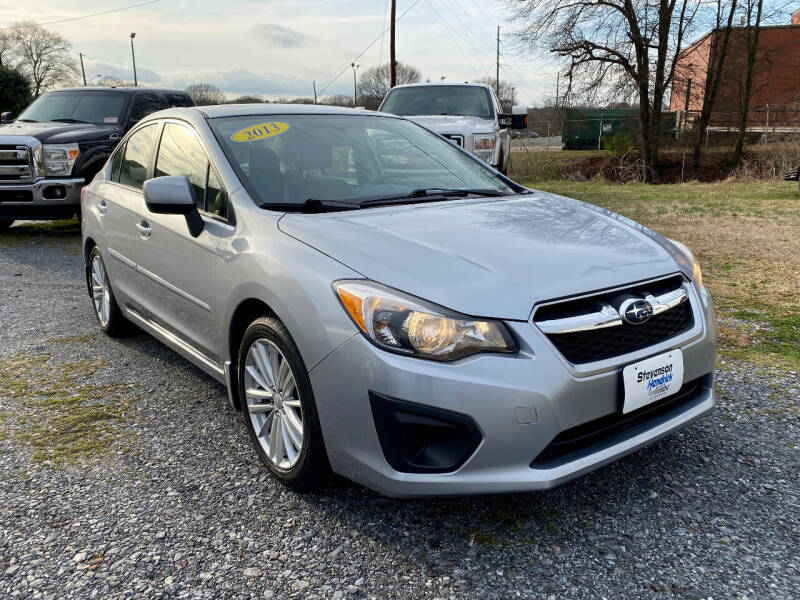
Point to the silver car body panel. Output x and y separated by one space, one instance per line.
495 257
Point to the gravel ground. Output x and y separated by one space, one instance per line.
170 502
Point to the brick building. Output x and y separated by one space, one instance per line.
775 96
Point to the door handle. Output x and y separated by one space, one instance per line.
102 207
144 229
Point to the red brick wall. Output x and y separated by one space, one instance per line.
776 76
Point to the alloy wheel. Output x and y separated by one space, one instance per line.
101 293
273 403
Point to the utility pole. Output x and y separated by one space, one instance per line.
83 71
355 86
497 74
392 58
315 91
133 57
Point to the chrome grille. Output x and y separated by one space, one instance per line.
591 328
15 163
458 140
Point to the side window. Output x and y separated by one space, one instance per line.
181 153
116 163
136 157
216 199
144 104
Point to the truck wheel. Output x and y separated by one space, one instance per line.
278 406
5 224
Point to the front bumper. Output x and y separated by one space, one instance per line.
494 391
42 199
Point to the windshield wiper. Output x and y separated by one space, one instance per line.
28 120
312 205
431 195
68 121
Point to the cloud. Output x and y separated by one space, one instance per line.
123 72
284 37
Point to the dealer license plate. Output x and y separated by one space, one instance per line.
651 380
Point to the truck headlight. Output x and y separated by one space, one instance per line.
483 147
401 323
59 158
687 260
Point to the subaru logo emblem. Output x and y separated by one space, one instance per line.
636 311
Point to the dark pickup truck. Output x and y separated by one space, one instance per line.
62 140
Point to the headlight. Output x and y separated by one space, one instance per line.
59 159
400 323
687 260
483 147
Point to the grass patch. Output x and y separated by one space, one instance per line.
50 233
746 236
73 339
59 412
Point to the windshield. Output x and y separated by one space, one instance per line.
466 100
98 108
289 159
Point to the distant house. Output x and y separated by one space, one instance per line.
775 97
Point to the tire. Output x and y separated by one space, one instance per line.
5 224
284 426
106 310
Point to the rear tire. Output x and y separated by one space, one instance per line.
106 310
278 406
5 224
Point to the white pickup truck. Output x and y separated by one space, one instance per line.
468 114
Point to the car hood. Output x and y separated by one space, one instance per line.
453 123
61 133
493 257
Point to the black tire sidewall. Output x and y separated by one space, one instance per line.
311 467
5 224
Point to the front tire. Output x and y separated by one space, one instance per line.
278 406
5 224
106 310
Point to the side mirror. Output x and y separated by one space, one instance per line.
173 195
6 117
519 117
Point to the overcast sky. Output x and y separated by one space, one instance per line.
278 47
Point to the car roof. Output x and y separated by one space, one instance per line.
120 88
443 83
240 110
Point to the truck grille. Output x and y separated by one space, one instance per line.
15 163
458 140
585 345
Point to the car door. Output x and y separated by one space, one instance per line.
179 269
119 201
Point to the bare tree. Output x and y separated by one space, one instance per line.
6 48
375 82
751 43
615 48
507 92
720 43
205 94
247 99
41 55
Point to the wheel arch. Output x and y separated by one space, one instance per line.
247 311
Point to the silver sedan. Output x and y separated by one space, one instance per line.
383 305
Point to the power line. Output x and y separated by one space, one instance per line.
372 43
97 14
454 10
454 38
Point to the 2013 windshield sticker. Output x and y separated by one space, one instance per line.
260 131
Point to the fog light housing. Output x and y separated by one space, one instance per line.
422 439
55 192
